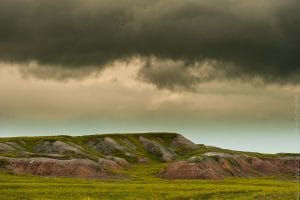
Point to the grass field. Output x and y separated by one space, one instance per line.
144 185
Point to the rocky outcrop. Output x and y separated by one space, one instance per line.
128 143
289 165
57 147
113 163
219 154
220 165
16 146
109 164
6 148
157 149
183 143
82 168
109 146
121 161
185 170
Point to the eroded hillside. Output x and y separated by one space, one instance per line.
108 156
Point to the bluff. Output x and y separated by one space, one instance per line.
106 156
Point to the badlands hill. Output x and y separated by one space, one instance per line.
109 155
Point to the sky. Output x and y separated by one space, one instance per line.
224 73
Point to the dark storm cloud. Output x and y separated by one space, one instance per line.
255 38
168 74
177 75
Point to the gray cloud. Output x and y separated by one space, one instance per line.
254 38
178 75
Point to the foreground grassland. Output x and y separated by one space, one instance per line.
144 185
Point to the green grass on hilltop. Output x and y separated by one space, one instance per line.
163 138
29 142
